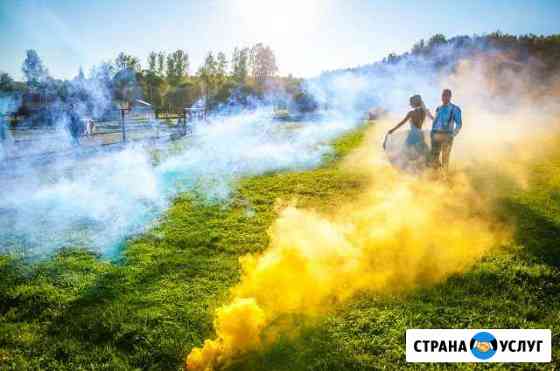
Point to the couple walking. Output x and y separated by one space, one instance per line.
445 126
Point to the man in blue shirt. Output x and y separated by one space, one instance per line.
446 125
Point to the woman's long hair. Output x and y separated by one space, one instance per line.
417 104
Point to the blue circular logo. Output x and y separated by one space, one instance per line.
483 345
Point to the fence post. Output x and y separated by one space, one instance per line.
3 128
123 127
184 128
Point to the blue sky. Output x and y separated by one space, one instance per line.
308 36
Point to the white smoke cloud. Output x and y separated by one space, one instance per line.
99 201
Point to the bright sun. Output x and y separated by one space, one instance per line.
274 19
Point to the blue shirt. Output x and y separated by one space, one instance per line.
448 119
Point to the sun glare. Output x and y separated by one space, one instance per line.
278 20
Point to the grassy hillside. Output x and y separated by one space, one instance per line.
146 311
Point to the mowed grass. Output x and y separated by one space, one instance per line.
147 310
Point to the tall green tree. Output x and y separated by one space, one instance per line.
207 74
262 63
7 84
155 89
126 84
240 64
221 64
436 40
161 64
177 66
125 61
183 95
152 62
33 69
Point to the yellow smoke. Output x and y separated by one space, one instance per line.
402 232
238 326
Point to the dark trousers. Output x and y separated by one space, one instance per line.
441 147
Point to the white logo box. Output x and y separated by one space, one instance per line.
512 345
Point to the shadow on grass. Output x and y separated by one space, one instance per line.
368 333
539 234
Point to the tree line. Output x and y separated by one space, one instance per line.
505 56
441 52
166 81
250 75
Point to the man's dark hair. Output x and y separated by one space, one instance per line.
447 91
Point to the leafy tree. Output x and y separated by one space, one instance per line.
262 63
152 62
170 68
33 70
208 71
7 84
181 63
126 85
436 40
183 95
305 102
240 68
392 58
177 66
224 92
155 88
127 62
221 64
161 64
418 48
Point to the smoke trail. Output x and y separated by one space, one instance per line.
404 231
97 202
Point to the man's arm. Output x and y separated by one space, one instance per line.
458 120
429 114
434 121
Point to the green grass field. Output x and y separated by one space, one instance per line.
76 311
